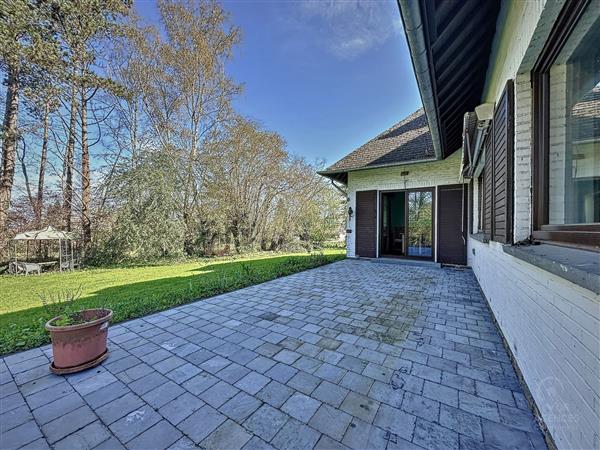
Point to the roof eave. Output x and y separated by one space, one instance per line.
410 12
331 173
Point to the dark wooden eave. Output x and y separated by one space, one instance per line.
457 37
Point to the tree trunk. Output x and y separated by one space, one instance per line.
86 222
68 175
42 172
9 144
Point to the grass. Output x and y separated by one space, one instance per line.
136 291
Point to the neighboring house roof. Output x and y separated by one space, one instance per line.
407 141
586 117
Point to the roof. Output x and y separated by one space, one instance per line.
46 234
450 44
586 117
407 141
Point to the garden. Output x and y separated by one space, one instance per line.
137 290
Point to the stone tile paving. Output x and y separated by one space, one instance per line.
353 355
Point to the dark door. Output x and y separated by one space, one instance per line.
366 223
452 223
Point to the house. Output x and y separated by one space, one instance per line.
500 171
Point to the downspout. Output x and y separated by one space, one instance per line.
410 12
339 189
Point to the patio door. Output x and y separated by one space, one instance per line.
406 224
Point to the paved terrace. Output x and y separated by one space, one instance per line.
355 354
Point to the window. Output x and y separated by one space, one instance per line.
567 130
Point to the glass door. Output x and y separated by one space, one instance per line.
420 224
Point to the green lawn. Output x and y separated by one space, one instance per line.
136 291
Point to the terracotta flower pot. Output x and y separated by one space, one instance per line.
81 346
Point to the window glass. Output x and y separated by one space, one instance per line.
420 227
574 150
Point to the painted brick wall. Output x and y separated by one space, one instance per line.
553 329
552 325
388 178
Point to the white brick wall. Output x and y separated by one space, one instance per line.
552 325
420 175
553 329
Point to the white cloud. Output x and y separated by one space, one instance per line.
348 28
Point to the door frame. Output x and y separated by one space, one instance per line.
433 191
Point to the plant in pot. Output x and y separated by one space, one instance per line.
78 336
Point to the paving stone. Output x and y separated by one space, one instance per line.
201 382
326 443
432 436
296 435
460 421
252 383
286 356
421 406
229 436
275 393
183 373
257 443
499 435
106 394
386 393
478 406
330 372
233 373
68 423
361 435
260 364
180 408
88 437
147 383
281 372
518 418
15 417
330 393
20 436
378 372
134 423
38 444
458 382
330 421
494 393
163 394
266 422
183 443
218 394
240 406
360 406
119 407
301 407
159 436
201 423
39 398
94 383
396 421
292 343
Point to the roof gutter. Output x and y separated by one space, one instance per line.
410 11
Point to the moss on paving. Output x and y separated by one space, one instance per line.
136 291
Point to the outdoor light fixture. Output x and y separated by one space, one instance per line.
350 212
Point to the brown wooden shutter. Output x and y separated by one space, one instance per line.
366 224
488 187
502 180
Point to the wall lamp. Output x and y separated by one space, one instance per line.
350 212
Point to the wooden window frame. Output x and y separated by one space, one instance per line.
579 235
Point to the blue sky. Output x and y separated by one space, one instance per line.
326 75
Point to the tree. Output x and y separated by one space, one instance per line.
82 25
27 48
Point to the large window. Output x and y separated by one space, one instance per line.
567 129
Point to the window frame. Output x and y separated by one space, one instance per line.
578 235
